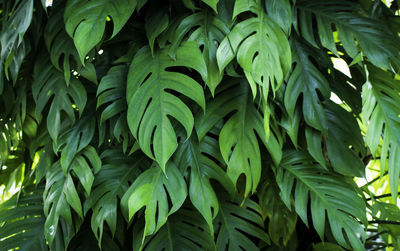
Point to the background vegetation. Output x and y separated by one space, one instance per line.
199 125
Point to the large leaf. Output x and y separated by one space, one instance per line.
282 221
238 225
202 169
329 195
111 96
16 24
117 173
150 104
381 111
184 230
85 21
376 41
76 139
307 80
161 195
344 142
261 48
61 195
22 221
238 138
48 82
208 30
60 45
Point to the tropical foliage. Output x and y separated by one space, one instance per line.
199 125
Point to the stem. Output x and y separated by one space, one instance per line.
376 235
380 196
377 178
384 222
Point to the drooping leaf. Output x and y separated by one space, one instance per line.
17 23
150 104
238 138
344 142
48 82
60 46
75 140
329 195
60 194
85 21
381 110
307 80
208 30
111 183
161 195
260 46
202 170
22 222
235 224
184 230
378 43
282 221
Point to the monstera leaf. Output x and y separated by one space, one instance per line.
282 221
85 21
208 30
117 173
60 45
48 82
60 194
150 104
19 22
161 194
381 109
184 230
22 221
307 80
239 224
202 170
353 29
260 46
238 138
323 189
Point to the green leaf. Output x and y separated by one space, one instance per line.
211 3
76 139
329 195
85 20
22 221
184 230
157 21
16 23
238 138
47 83
281 12
60 46
160 194
202 169
238 225
260 46
61 195
149 103
344 142
306 79
326 246
117 173
381 106
282 221
376 41
208 30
